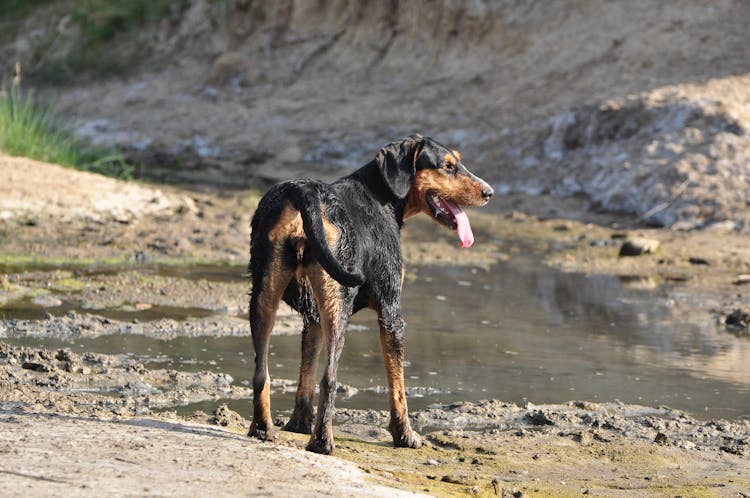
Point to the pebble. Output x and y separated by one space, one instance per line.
640 246
47 301
661 438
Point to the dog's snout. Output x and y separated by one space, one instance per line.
487 192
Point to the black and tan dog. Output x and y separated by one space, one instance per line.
329 250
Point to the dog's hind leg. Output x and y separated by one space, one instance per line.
302 416
392 345
331 303
264 302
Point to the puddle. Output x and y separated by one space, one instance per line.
26 309
515 333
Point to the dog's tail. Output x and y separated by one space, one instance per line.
307 202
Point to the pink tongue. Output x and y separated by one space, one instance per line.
463 228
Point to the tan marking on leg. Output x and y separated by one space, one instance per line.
327 293
394 370
263 315
310 354
275 281
302 415
393 360
328 299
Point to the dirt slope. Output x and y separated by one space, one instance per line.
637 106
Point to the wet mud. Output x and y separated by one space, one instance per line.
485 448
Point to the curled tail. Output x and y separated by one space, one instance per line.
307 202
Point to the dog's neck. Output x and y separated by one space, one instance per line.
371 179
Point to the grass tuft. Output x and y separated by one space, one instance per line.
30 129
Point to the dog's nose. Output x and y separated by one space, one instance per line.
487 192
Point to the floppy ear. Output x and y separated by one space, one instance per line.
396 162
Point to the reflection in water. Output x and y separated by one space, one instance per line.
549 337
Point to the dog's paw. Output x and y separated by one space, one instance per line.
297 425
322 446
403 435
260 433
409 439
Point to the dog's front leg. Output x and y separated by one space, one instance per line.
392 346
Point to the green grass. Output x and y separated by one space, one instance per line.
30 129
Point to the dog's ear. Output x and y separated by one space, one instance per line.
396 162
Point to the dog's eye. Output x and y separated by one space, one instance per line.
451 167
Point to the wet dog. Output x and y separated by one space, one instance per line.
329 250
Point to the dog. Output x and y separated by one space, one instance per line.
329 250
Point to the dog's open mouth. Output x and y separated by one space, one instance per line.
452 216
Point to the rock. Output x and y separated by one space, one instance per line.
65 355
640 246
224 381
456 479
227 66
46 301
346 390
688 445
138 388
582 437
698 261
734 446
36 367
741 279
661 438
226 417
538 417
722 226
738 319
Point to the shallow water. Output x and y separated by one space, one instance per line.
26 309
516 332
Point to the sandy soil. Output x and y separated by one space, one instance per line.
54 455
63 436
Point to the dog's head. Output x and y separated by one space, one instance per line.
433 180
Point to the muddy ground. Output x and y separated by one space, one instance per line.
77 421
